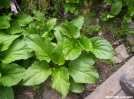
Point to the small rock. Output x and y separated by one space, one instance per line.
116 59
90 87
121 54
100 33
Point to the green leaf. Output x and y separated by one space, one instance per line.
85 43
27 31
4 22
38 15
18 50
72 1
81 69
59 37
42 47
6 40
116 7
11 74
58 56
60 80
130 3
109 16
76 87
127 18
131 11
78 22
48 35
102 48
6 92
23 19
71 49
4 4
14 27
71 7
104 17
37 73
50 25
109 1
69 30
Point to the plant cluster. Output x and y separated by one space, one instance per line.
123 8
32 48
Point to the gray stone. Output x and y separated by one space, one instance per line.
121 54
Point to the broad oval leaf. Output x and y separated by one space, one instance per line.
109 1
50 25
23 19
71 49
6 40
58 56
11 74
37 73
57 33
76 87
60 80
70 30
102 48
85 43
78 22
18 50
81 69
6 92
14 27
4 22
130 3
42 47
116 7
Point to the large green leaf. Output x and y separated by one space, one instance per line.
71 49
42 47
78 22
23 19
76 87
4 4
11 74
14 27
70 30
72 1
6 92
116 7
102 48
130 3
50 24
109 1
6 40
85 43
71 7
37 73
58 56
59 37
60 80
81 69
4 22
38 15
18 50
